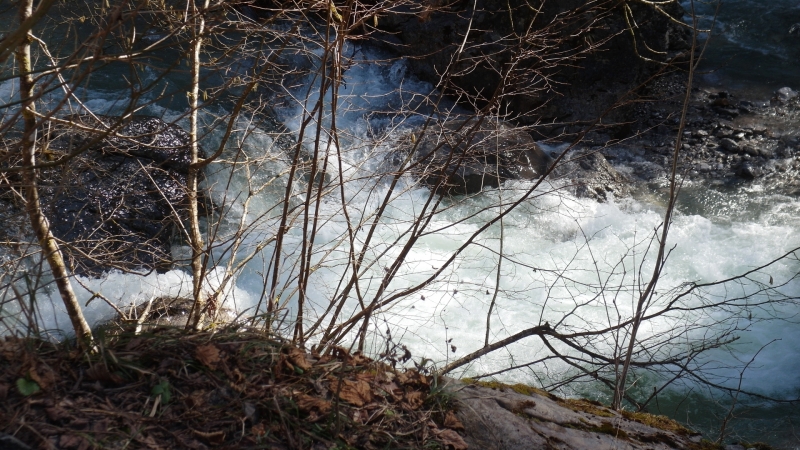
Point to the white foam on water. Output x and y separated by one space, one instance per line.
558 247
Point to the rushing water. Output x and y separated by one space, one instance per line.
719 232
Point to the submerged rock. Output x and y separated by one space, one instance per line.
116 204
465 156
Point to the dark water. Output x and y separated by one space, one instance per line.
750 49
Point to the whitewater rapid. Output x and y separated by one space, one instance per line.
557 247
716 235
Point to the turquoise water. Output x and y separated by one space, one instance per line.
569 261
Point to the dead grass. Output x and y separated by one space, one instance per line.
169 389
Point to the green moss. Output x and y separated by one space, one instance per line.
610 429
655 421
519 388
589 406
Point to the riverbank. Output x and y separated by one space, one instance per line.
238 389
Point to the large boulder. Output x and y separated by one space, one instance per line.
587 173
464 156
116 204
491 415
564 61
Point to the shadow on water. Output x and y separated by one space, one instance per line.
751 50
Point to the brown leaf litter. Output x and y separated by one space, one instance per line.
167 389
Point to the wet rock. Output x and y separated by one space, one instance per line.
465 156
785 94
749 171
589 174
730 112
723 132
750 149
729 145
721 102
115 204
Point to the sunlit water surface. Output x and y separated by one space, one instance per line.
718 233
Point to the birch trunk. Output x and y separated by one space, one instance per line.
195 237
39 223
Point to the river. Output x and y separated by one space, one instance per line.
567 259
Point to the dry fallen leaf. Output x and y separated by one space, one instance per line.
100 373
56 413
307 403
42 375
196 399
451 440
258 429
69 441
298 358
149 441
357 393
452 422
9 348
392 390
359 359
415 399
208 355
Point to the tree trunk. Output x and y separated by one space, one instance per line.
195 237
39 223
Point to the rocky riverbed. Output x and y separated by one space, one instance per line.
726 140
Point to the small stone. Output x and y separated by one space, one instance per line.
749 171
723 132
729 145
785 94
750 149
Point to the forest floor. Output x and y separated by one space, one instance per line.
169 389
